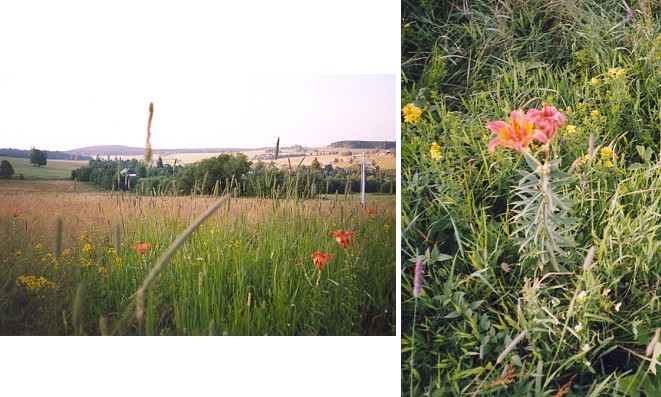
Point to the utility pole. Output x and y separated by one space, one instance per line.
362 182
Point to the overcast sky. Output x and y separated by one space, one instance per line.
77 74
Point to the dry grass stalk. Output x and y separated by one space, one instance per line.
148 145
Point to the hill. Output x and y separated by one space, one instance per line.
120 150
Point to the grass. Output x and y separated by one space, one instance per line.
521 297
53 170
247 270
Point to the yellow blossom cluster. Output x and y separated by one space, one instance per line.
411 113
34 284
607 156
234 244
435 151
616 73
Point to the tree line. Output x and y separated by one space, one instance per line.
232 173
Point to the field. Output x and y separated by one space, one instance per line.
54 169
531 204
246 270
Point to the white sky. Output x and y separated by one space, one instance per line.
76 74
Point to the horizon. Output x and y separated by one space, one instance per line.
191 148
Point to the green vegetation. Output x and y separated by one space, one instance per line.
6 170
247 270
541 266
233 173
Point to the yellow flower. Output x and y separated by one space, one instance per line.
102 269
87 247
39 246
411 113
66 252
435 151
35 284
571 128
594 81
608 164
594 113
16 253
117 260
568 111
616 73
84 237
605 152
110 250
599 163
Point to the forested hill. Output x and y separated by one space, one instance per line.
50 155
364 144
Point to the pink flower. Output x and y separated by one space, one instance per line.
548 121
417 278
519 133
142 247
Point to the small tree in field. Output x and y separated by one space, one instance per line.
6 170
37 157
315 164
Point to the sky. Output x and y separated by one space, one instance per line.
77 74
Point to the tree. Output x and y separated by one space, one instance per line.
315 164
37 157
6 170
159 163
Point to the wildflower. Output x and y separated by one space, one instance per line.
505 267
87 247
518 134
605 152
594 81
548 121
594 113
16 214
102 269
35 284
585 347
606 292
66 252
571 129
343 238
386 228
582 297
371 210
39 246
435 151
417 278
84 236
617 306
608 164
110 250
599 163
16 252
142 247
616 73
411 113
587 363
568 111
320 259
578 327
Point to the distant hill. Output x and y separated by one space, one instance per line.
50 155
119 150
364 144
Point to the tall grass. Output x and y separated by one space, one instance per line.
247 270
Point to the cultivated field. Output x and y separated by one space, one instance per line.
247 270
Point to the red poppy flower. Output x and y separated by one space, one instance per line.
142 247
320 259
343 238
16 214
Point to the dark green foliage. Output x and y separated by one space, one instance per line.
6 170
37 157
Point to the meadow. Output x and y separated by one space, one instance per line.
531 181
54 169
248 269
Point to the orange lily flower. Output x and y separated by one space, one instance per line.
16 214
142 247
371 211
548 121
519 133
320 259
343 238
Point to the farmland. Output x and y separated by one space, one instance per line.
247 270
54 169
